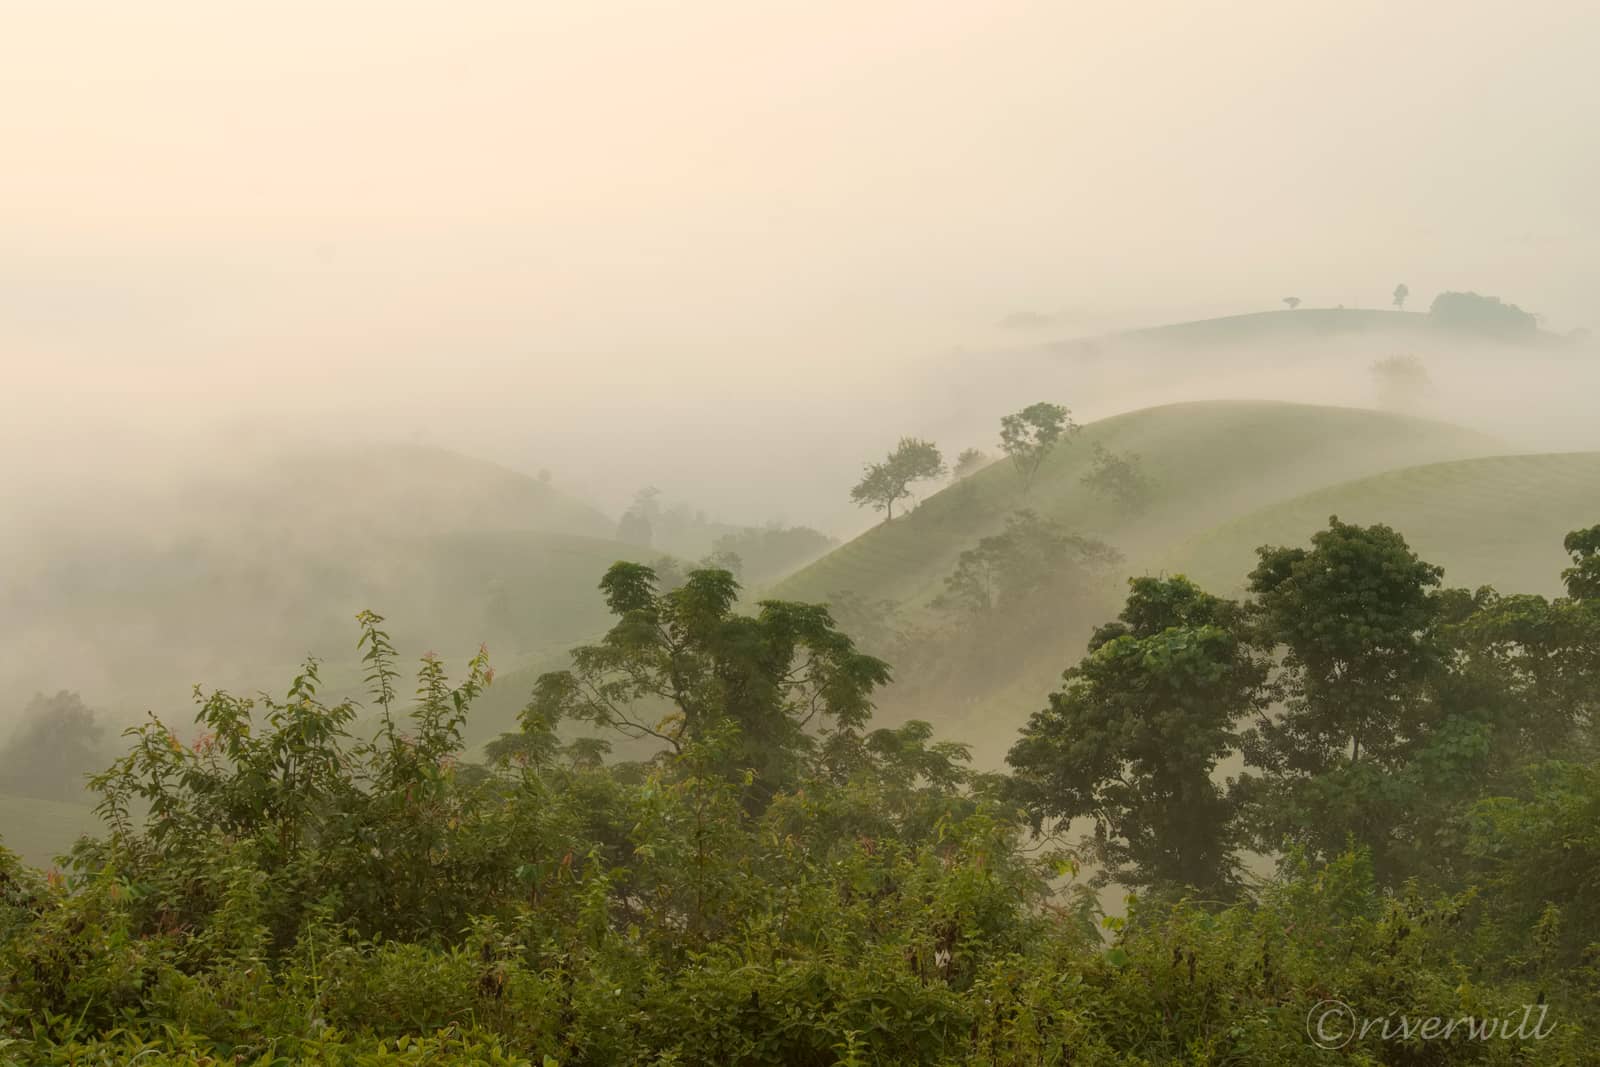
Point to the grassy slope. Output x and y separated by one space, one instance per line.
1211 461
1497 520
38 830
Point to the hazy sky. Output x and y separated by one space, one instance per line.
527 225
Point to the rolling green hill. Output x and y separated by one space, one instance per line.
1497 520
1210 462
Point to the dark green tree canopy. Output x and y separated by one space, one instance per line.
1134 738
681 664
1353 624
1583 577
1352 613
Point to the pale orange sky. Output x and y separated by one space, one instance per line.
565 215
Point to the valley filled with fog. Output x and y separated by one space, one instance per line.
799 533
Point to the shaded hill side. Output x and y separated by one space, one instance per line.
1496 520
1208 462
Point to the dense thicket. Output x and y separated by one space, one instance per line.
301 881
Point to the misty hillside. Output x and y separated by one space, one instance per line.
1205 464
433 488
218 577
1208 461
1311 324
799 535
1498 520
38 830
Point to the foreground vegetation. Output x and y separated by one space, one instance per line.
781 882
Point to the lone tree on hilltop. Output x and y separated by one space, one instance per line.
1030 435
1401 291
1292 301
912 460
